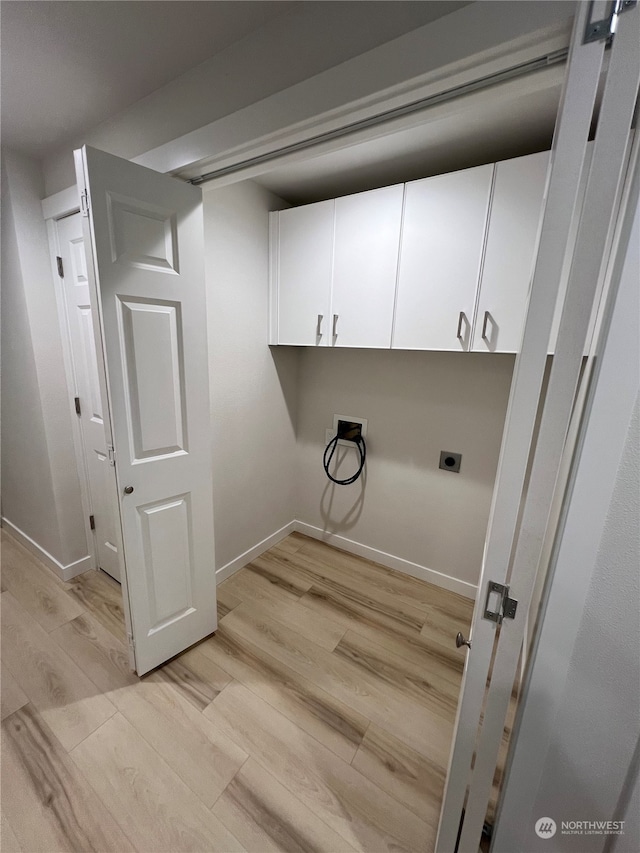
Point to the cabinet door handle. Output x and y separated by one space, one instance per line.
319 326
335 325
484 326
460 319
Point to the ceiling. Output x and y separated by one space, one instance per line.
67 66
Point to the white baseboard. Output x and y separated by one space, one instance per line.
398 563
235 565
65 573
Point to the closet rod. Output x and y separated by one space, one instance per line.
512 73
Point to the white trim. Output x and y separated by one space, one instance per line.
399 564
240 562
61 204
65 573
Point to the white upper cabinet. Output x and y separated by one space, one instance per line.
443 233
302 259
365 265
516 210
443 263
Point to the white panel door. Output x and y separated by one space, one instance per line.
440 256
514 223
87 369
147 244
303 274
365 267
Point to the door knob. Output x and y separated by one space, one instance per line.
128 490
460 641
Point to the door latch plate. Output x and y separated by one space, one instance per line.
498 604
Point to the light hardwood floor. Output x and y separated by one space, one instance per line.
318 718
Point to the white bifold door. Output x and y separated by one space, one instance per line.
522 519
143 239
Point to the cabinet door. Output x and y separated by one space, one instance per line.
365 266
303 274
440 255
516 209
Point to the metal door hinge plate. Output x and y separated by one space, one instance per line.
76 401
60 266
605 28
92 522
84 202
112 455
498 605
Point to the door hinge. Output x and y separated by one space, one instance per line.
112 454
498 605
76 400
84 202
60 266
605 28
92 522
131 641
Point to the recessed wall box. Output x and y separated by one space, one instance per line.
347 426
450 461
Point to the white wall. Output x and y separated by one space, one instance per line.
575 754
417 404
253 388
40 488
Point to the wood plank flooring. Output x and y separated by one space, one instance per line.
318 718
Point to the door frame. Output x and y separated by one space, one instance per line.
54 209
